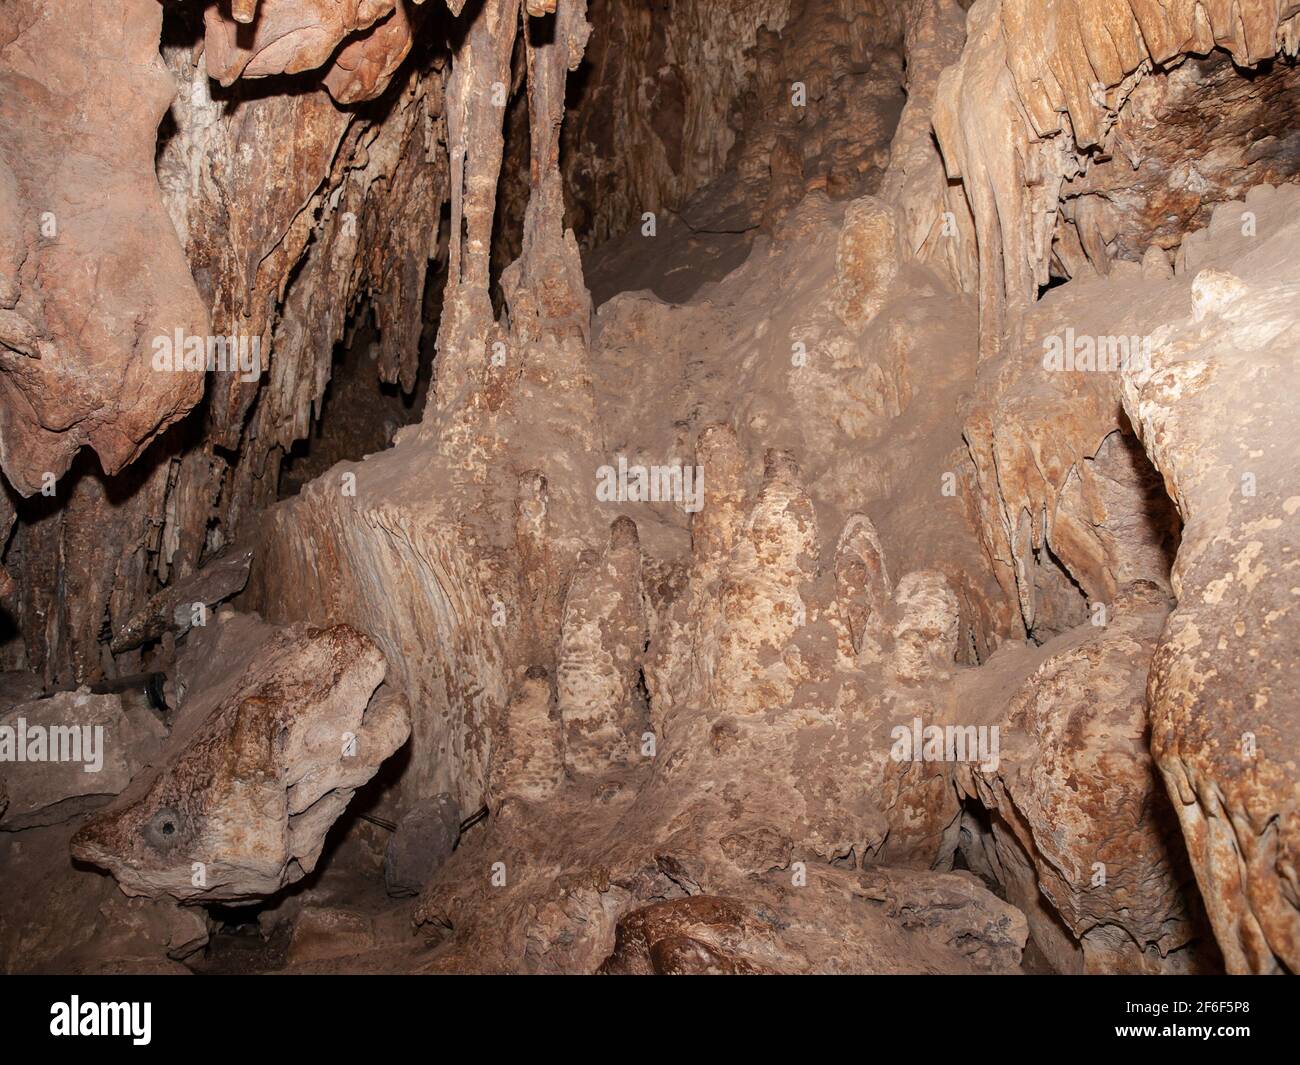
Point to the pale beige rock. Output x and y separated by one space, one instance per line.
1015 116
866 261
530 760
862 586
602 638
239 802
760 607
1223 721
926 628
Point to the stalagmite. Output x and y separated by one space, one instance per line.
602 638
530 763
862 586
760 606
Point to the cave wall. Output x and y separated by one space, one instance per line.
1070 133
652 105
1038 90
672 95
291 202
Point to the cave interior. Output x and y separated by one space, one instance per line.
608 486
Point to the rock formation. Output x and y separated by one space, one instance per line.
258 765
574 486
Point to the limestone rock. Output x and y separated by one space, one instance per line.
862 585
60 918
1223 720
866 261
288 37
979 321
950 919
239 802
363 68
956 909
925 632
71 752
186 603
85 227
760 606
322 932
1015 116
1075 792
529 761
601 643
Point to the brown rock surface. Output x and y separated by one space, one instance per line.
58 918
81 95
943 923
1076 795
1223 716
69 753
1038 88
1115 526
288 36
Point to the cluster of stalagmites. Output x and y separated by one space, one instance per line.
760 759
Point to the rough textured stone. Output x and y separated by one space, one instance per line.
288 36
866 261
1017 115
59 918
1223 715
81 96
425 838
255 771
321 932
950 921
181 606
290 213
71 752
1076 792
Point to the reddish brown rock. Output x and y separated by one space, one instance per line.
1075 794
288 36
81 96
364 66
